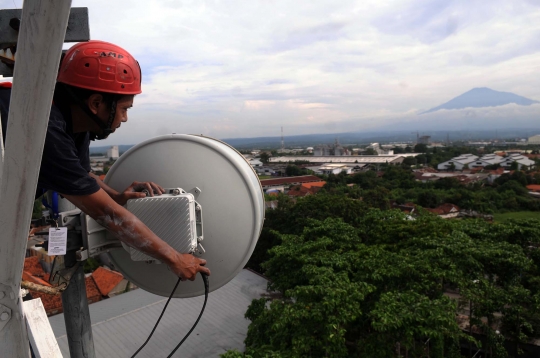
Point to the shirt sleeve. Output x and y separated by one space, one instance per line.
61 169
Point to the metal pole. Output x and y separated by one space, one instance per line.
76 313
39 46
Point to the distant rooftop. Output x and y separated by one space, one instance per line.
122 323
289 180
365 159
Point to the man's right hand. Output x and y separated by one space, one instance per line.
186 266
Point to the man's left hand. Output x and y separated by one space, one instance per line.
134 191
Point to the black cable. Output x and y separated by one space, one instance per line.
206 289
159 319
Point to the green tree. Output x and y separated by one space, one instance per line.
360 283
420 148
377 198
37 209
265 157
370 151
514 165
408 161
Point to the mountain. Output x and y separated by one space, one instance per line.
483 97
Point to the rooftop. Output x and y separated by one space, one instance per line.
122 323
369 159
290 180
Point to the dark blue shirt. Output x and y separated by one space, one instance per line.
65 163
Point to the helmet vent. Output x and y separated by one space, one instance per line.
87 65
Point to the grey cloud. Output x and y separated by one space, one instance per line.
244 68
278 82
427 20
299 38
524 45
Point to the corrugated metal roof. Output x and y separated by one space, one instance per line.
368 159
289 180
122 323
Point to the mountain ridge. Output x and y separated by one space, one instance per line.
479 97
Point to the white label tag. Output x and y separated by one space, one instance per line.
57 241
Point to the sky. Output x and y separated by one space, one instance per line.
230 69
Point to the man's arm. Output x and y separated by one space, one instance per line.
134 233
132 192
112 193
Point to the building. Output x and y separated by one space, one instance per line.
535 139
488 159
255 162
377 148
470 161
264 170
445 211
322 150
457 163
287 181
335 168
425 139
335 149
113 153
522 162
464 179
305 189
360 159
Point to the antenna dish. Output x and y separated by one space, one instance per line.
225 186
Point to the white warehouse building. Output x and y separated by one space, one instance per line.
535 139
458 162
470 161
113 152
335 168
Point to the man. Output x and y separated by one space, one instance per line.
96 85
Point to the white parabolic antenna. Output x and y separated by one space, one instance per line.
222 182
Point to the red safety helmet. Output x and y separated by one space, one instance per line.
101 66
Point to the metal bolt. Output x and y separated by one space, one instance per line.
2 294
176 192
4 316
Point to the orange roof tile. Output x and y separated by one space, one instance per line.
33 267
316 184
92 292
31 278
444 209
290 180
533 187
53 303
106 279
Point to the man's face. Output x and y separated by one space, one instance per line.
121 114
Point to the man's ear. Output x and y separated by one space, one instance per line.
94 101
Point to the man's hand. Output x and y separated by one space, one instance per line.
187 266
135 189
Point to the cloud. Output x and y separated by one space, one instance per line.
246 68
